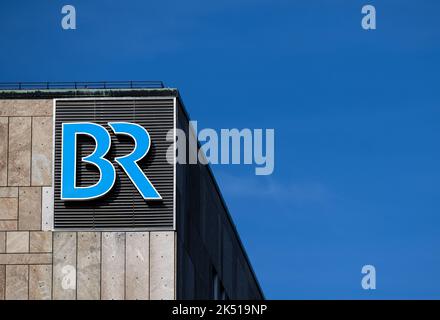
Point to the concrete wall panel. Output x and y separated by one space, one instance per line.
42 151
17 281
8 225
89 266
29 213
162 262
40 242
28 107
17 242
4 141
113 266
40 282
25 258
138 266
8 208
8 192
47 209
64 266
19 153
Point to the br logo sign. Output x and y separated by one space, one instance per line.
107 172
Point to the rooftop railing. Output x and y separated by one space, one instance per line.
81 85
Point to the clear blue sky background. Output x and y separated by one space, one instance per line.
356 115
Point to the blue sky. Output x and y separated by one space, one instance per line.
356 116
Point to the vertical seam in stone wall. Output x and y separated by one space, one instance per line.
30 158
18 207
7 170
4 281
53 273
100 267
4 246
28 281
149 265
41 206
125 265
76 266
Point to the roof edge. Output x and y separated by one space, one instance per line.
72 93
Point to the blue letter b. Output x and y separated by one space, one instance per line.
107 174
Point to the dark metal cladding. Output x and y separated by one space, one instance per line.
123 207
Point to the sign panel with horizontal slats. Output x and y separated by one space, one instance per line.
123 206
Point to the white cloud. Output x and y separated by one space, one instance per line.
291 193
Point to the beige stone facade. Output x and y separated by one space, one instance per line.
37 264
